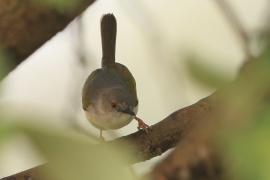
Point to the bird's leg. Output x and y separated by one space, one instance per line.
100 135
141 124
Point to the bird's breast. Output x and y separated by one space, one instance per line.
107 120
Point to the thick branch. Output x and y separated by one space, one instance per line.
196 156
193 158
166 134
27 24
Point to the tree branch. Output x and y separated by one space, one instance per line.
27 24
196 156
193 158
166 134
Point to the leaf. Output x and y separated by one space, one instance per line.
4 65
249 155
6 131
71 156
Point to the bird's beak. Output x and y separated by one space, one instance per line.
128 111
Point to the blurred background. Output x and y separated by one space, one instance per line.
153 40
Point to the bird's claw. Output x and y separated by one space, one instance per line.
142 125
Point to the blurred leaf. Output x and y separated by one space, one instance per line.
6 131
4 65
71 156
247 105
248 149
206 75
250 155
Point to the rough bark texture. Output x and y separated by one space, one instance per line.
166 134
196 157
192 159
27 24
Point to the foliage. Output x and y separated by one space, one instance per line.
71 156
244 116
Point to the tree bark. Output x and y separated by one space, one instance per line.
168 132
194 158
27 24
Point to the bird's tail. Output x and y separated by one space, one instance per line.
108 38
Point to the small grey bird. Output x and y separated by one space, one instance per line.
109 96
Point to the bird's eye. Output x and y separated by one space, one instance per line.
114 105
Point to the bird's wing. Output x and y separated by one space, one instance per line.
87 92
128 78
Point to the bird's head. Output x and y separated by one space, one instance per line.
118 100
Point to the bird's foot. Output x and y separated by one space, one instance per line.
142 125
102 139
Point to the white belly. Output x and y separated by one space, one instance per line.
111 120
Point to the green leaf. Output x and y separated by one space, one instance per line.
4 65
7 130
249 155
248 149
71 156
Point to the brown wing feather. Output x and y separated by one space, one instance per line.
86 92
104 78
128 78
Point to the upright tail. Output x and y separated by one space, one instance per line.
108 38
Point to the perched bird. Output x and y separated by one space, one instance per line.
109 96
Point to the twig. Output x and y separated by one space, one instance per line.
80 49
237 26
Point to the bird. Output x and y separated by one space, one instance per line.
109 95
